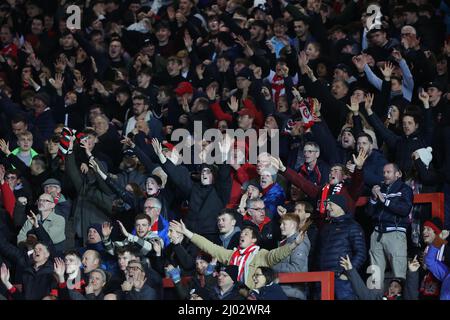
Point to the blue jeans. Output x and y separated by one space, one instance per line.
343 290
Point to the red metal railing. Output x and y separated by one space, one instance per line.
436 200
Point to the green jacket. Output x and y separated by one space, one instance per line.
263 258
32 152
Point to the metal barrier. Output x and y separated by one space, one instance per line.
326 279
436 200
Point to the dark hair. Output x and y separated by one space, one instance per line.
141 216
255 232
72 252
308 206
269 274
89 132
41 160
363 134
19 118
126 248
144 98
229 212
147 71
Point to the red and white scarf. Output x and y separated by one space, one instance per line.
306 110
278 87
336 190
240 258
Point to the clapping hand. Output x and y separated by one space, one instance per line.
346 263
60 268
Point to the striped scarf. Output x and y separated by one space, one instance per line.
240 258
336 190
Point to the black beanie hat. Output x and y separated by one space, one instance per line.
339 200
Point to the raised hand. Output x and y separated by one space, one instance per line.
33 219
79 82
387 70
281 211
368 102
4 147
200 70
60 268
414 264
156 245
128 142
57 83
300 238
444 234
354 105
158 150
362 157
346 263
359 61
5 275
425 98
180 227
233 104
106 229
127 286
302 59
84 168
266 93
122 229
397 55
188 40
139 281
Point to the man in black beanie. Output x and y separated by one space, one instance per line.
227 284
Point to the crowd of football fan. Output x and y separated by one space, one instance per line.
97 202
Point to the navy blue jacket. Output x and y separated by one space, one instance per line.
271 291
395 210
403 146
373 168
340 237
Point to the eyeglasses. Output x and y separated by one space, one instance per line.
133 268
149 208
309 151
44 200
256 275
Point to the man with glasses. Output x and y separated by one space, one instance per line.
314 169
54 224
256 216
136 287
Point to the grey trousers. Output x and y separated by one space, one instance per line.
392 247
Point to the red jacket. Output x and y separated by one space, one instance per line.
8 198
351 189
245 173
219 114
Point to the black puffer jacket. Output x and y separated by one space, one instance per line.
36 283
205 202
340 237
403 146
